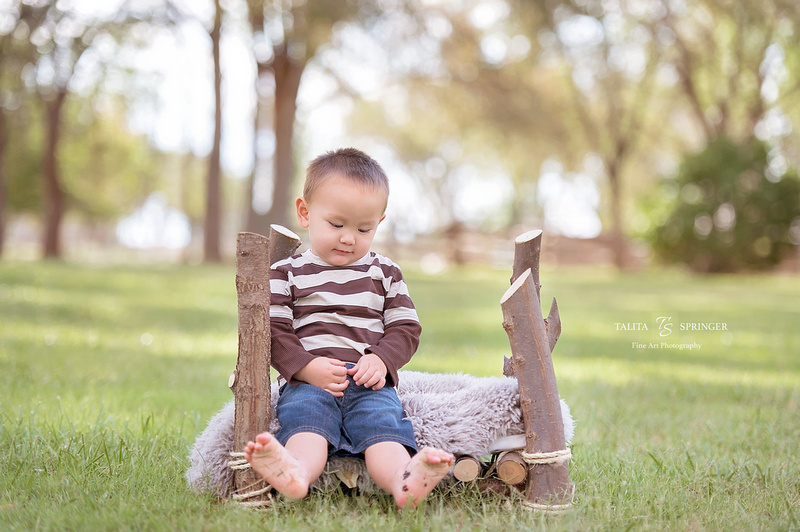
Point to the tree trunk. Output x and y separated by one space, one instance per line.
3 145
53 194
250 382
287 73
213 221
256 222
618 244
547 483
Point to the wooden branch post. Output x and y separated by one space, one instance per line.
527 251
250 382
282 243
531 342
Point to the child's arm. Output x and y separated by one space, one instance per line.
401 330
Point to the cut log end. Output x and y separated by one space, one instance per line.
527 237
288 233
511 469
467 469
515 286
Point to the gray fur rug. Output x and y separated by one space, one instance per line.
458 413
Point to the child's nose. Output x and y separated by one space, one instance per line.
347 238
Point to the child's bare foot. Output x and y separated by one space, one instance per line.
273 462
423 473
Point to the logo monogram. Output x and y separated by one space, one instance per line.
664 325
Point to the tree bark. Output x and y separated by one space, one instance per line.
288 72
53 194
3 145
250 382
257 222
213 221
619 246
282 243
547 484
527 252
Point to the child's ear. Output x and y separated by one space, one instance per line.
302 212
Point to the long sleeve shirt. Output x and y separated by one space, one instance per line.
340 312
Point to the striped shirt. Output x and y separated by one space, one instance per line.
341 312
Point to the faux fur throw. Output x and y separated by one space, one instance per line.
458 413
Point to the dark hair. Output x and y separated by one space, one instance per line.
348 162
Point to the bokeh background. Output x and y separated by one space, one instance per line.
634 132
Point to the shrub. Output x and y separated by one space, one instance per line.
730 210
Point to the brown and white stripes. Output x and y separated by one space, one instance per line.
341 312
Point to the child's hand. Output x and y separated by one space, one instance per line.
370 372
326 373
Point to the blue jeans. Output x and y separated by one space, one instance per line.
359 419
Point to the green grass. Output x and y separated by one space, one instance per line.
108 374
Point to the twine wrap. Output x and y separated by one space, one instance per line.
555 457
238 464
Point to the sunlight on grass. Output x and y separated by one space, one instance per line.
109 374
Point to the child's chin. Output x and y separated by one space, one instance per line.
340 260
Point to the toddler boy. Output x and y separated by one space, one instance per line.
342 326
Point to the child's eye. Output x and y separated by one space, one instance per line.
337 226
364 230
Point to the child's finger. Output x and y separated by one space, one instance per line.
336 388
339 371
381 383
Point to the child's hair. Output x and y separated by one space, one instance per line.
349 162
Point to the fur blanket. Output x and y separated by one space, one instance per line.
458 413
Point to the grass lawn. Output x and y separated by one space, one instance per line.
108 374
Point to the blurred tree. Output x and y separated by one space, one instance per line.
730 61
53 37
106 170
514 83
437 109
14 55
286 36
213 219
611 60
731 210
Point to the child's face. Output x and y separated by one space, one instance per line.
341 219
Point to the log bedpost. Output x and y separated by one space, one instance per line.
282 243
532 339
527 251
250 382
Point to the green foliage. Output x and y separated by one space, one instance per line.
107 171
23 161
729 211
107 376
